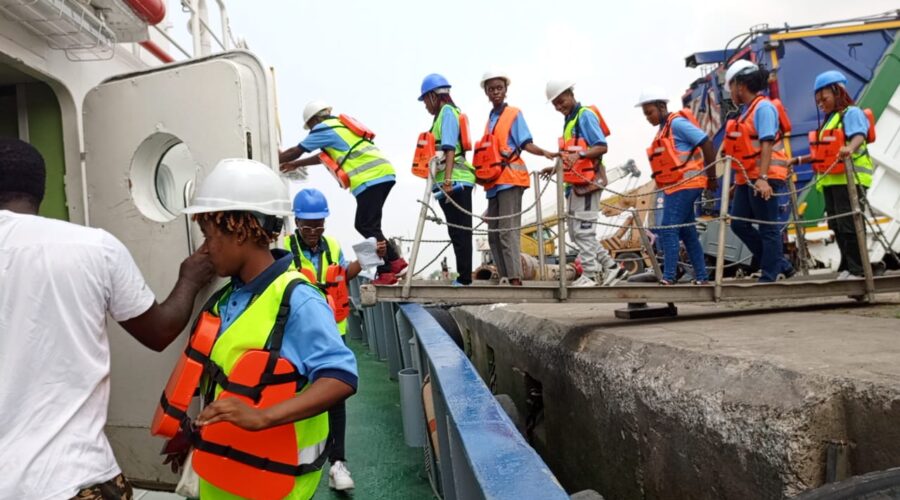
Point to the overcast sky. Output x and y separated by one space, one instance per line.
368 59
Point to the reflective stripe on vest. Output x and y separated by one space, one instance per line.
862 162
251 330
515 172
463 171
364 162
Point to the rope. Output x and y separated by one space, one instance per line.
486 217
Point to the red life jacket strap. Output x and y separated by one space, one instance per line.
262 463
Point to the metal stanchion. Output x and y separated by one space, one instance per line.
798 226
540 224
859 226
723 227
420 227
645 242
561 230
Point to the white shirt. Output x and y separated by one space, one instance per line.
57 282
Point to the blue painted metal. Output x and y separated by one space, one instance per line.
500 461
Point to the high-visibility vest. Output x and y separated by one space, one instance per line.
363 162
671 165
329 276
495 163
462 169
742 142
584 170
825 145
245 362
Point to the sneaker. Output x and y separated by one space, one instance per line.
583 281
398 266
613 275
385 279
665 282
457 283
700 282
339 477
847 275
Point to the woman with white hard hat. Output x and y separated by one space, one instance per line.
267 306
503 175
677 156
845 133
754 141
358 165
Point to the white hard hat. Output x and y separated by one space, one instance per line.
651 94
494 73
312 109
557 87
738 67
241 184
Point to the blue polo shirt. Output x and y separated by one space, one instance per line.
765 119
315 255
311 339
855 122
687 136
519 137
449 139
322 136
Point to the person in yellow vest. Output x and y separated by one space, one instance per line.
364 169
456 177
507 127
315 254
841 114
269 307
583 202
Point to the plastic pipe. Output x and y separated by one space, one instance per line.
411 408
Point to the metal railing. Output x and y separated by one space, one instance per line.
479 454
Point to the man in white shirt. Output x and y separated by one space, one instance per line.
57 283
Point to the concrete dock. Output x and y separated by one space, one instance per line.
728 401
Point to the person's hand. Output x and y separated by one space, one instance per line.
381 248
712 184
447 187
551 155
288 167
763 189
235 411
547 172
176 451
197 268
845 152
569 159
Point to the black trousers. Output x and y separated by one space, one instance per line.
369 208
337 431
837 201
461 238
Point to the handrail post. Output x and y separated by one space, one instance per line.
799 230
539 217
645 242
561 216
860 228
420 227
723 227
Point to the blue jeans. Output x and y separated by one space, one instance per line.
764 242
679 209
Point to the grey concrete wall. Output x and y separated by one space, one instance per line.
705 406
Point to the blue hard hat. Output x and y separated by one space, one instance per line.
432 82
829 77
310 204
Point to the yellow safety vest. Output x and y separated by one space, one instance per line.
363 162
302 262
862 162
463 171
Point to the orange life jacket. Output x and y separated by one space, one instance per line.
671 166
742 142
603 127
224 454
335 284
825 145
356 127
495 163
465 141
425 151
335 170
584 170
179 391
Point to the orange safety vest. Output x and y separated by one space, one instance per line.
261 464
495 163
825 145
671 166
332 282
742 142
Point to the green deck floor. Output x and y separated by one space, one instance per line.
382 466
